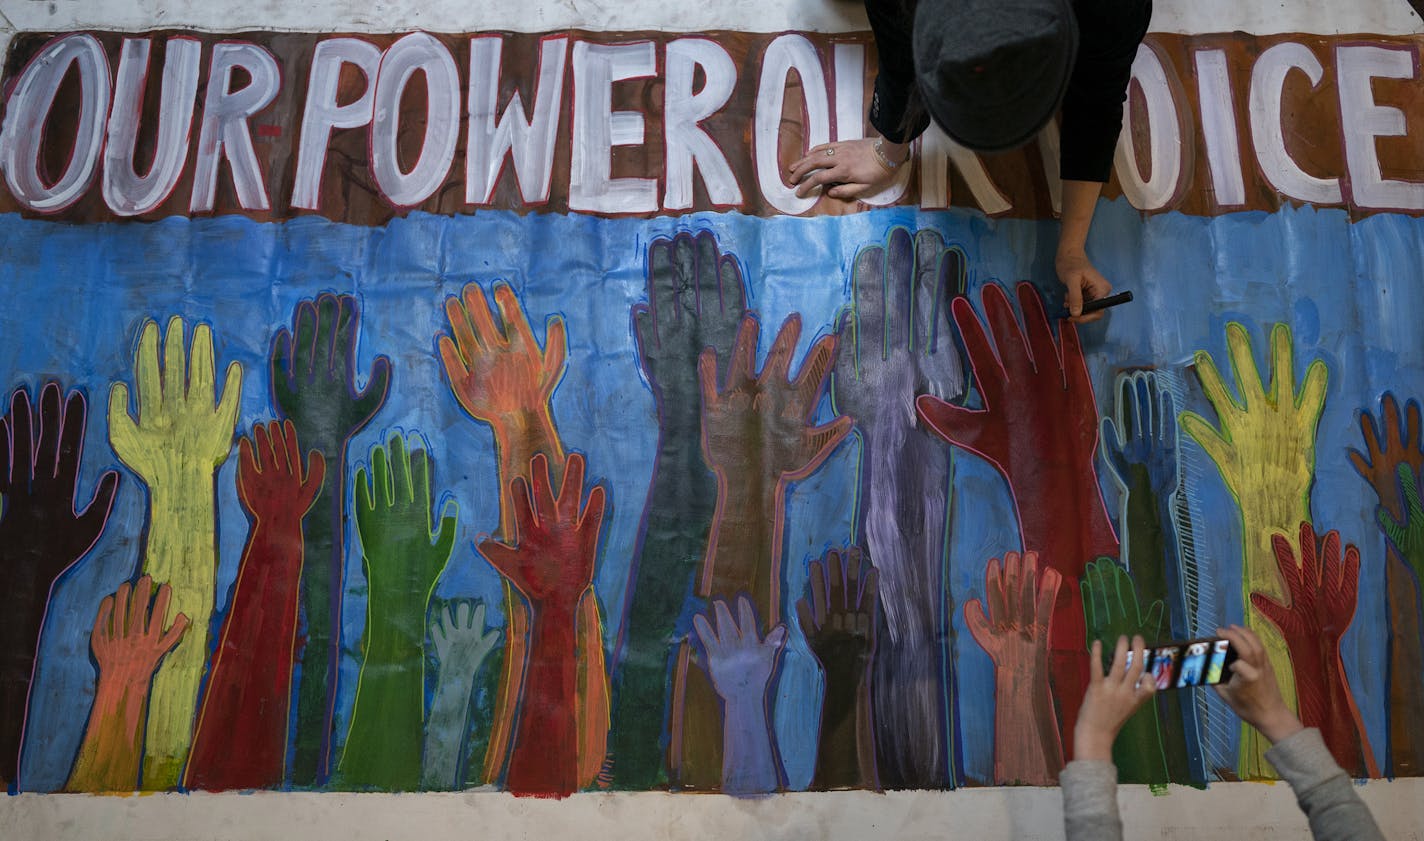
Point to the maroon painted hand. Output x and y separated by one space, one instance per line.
552 559
1038 425
1323 588
1027 743
552 564
271 482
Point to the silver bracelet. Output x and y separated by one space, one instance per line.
880 153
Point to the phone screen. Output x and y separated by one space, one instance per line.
1182 665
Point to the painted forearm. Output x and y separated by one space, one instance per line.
109 755
182 553
749 763
321 587
544 759
742 548
447 724
383 748
1027 747
845 755
249 688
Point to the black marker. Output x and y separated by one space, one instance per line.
1103 303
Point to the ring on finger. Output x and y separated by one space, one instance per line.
830 153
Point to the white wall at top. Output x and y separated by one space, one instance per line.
1325 17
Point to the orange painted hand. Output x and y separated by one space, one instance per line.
128 642
497 370
1027 745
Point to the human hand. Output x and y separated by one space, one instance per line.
696 300
270 480
850 169
895 340
44 530
459 637
555 543
1020 598
738 659
1141 446
128 639
840 619
498 371
178 432
314 374
403 555
768 412
1080 279
1112 698
1252 692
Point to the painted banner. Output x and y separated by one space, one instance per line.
428 412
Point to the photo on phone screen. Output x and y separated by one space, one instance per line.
1216 669
1193 665
1164 661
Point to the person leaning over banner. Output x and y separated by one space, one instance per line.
1089 782
992 73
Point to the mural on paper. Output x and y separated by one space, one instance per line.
519 426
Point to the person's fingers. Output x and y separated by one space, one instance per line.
832 175
1139 663
1119 662
1095 664
849 190
1074 295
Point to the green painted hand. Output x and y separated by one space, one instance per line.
1407 534
403 557
1111 610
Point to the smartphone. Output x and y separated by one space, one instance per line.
1182 665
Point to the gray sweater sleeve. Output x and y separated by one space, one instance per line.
1322 789
1090 801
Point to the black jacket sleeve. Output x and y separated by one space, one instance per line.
1109 33
895 80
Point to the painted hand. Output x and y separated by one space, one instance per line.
314 374
1323 588
1141 445
839 620
1265 450
271 482
764 418
696 300
556 544
1112 609
404 554
178 432
1406 534
1038 425
44 529
498 371
1114 616
1028 747
460 638
128 641
1390 444
741 664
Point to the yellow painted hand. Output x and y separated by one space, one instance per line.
1265 450
181 435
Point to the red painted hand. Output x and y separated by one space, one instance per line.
1323 588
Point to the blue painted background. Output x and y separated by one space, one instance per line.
73 298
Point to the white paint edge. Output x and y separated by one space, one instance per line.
1262 17
1226 810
